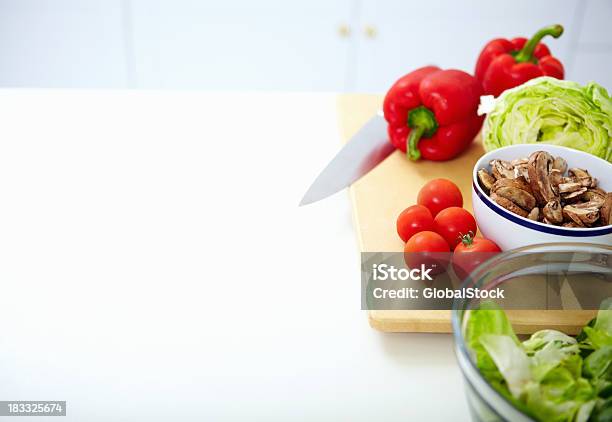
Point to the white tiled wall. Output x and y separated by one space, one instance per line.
307 45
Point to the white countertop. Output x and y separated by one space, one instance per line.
155 266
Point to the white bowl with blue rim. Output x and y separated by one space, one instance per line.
510 230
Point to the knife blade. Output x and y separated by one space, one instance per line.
364 151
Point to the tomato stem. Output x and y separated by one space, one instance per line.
467 239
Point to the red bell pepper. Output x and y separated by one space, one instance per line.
432 113
504 64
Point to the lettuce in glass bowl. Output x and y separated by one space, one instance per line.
548 375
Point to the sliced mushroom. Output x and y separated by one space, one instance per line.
485 179
592 199
502 169
540 166
521 168
556 178
570 187
574 196
523 184
537 188
509 205
567 179
553 212
519 183
596 203
573 218
581 216
534 214
519 161
583 177
523 199
516 190
590 216
606 210
560 164
594 194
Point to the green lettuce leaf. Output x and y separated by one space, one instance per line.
551 356
600 333
599 364
487 319
598 338
604 317
540 339
602 411
551 111
511 361
545 376
560 396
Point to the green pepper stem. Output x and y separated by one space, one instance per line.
526 54
422 122
412 149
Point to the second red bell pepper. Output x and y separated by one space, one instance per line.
504 64
432 113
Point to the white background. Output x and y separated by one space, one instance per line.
280 45
155 266
153 260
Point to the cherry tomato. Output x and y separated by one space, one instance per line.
471 252
412 220
426 241
429 249
439 194
452 223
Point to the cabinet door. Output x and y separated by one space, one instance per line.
450 34
62 43
241 44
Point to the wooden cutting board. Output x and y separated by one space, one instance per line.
382 194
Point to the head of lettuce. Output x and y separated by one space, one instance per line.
550 111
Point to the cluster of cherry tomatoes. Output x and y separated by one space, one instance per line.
438 223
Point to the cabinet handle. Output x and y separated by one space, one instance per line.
370 31
344 31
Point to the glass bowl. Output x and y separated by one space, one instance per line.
511 269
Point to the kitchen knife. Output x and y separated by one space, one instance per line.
364 151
